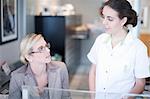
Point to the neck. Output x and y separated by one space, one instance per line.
38 69
117 37
121 34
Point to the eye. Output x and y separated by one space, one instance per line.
41 48
110 19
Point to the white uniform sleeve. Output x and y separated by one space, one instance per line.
92 54
142 65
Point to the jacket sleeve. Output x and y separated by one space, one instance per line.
65 83
14 89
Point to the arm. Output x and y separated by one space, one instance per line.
139 86
92 75
141 70
65 83
14 89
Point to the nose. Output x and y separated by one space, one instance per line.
104 21
47 49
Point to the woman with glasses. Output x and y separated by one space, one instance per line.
39 70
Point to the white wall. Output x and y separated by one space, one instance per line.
146 3
88 8
143 4
10 50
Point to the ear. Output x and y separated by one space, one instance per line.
28 57
123 21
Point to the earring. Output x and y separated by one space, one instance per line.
129 26
125 28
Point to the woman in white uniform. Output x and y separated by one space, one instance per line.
119 59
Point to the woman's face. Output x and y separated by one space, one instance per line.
111 21
40 52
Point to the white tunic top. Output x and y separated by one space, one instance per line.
118 67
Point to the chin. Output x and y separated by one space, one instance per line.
48 61
108 32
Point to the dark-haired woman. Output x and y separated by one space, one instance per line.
119 59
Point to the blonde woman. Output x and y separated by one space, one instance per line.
39 70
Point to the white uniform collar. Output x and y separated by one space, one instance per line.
129 37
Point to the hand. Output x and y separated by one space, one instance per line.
126 97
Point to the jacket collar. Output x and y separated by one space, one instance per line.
51 72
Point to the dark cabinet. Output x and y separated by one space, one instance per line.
55 29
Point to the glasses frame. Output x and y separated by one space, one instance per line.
41 49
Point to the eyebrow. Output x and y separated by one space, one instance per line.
44 45
110 17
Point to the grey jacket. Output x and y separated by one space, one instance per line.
57 78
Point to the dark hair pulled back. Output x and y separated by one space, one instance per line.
124 9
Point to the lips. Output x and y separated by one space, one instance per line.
48 56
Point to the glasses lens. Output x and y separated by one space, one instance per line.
48 45
41 49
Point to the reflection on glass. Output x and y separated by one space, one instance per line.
33 93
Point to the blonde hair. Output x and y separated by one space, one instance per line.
26 45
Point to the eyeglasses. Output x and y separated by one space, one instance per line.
41 49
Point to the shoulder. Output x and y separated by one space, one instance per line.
104 37
55 65
140 45
58 67
59 63
18 75
135 41
20 70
